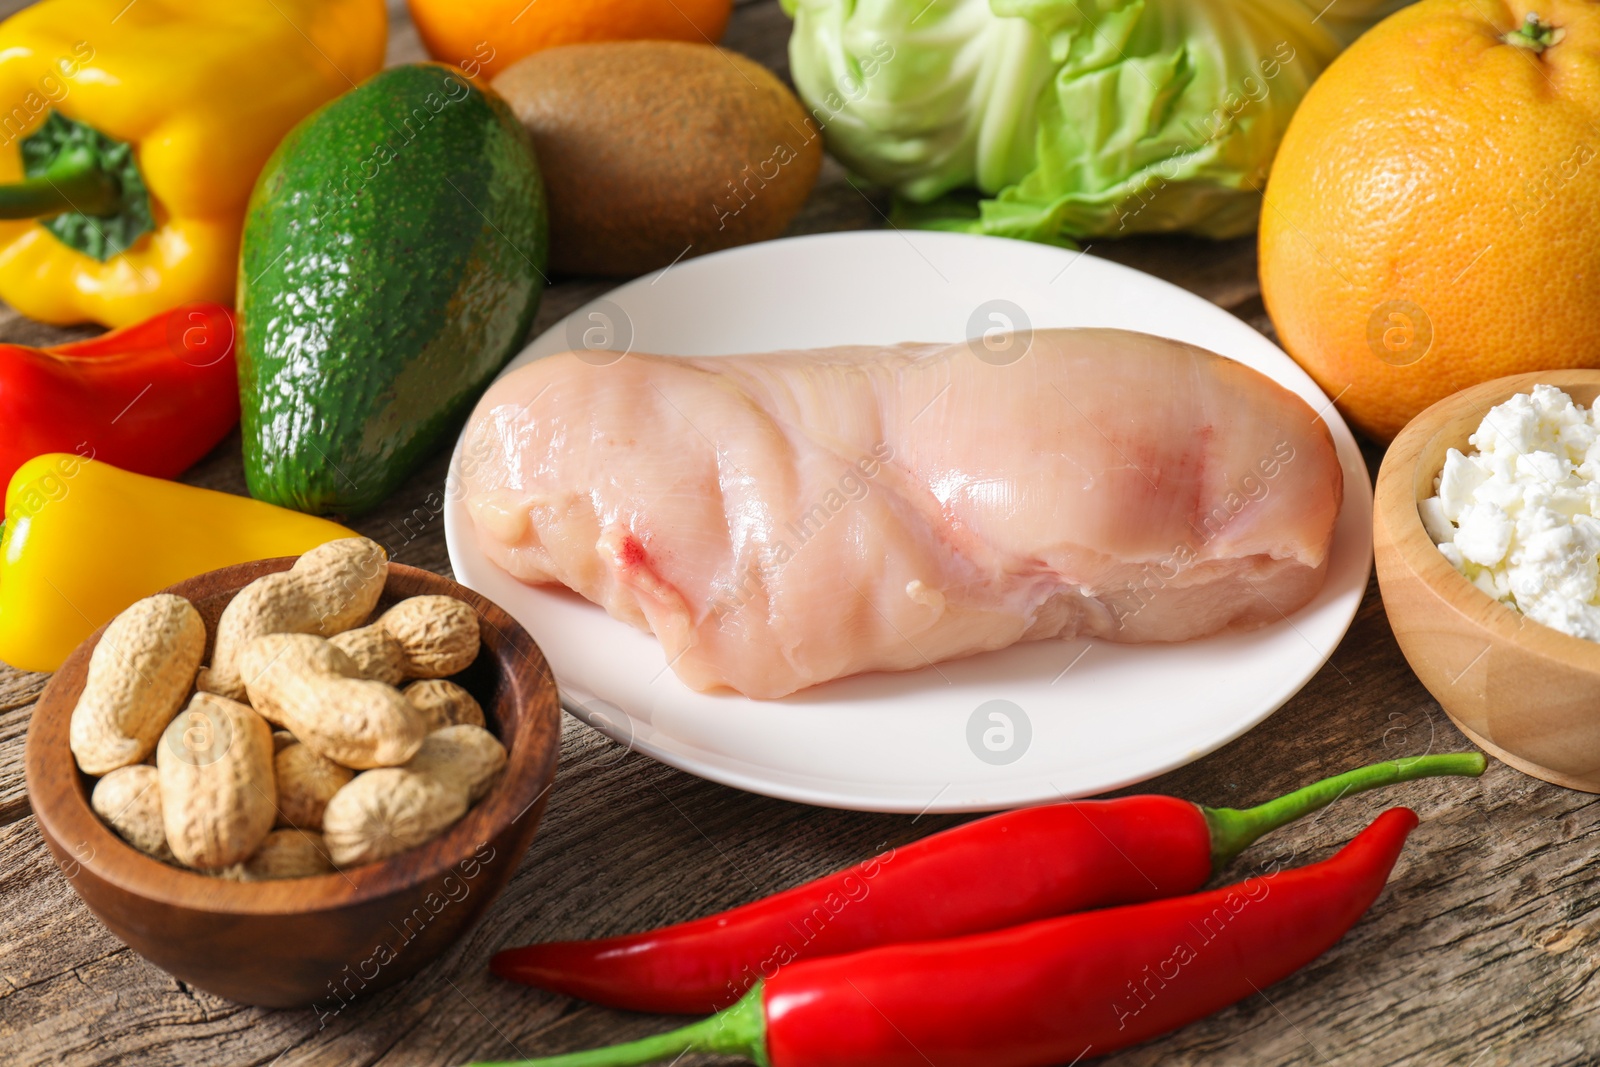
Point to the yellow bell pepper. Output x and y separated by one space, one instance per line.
84 539
134 133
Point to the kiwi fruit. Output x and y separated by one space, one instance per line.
656 151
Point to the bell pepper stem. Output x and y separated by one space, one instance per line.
738 1031
74 182
1233 830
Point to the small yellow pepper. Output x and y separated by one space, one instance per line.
84 539
133 134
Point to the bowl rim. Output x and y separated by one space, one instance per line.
65 813
1400 480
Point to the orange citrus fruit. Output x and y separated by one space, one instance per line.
485 37
1433 216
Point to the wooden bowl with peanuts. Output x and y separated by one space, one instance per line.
326 803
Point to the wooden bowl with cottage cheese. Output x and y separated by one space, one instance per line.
1527 693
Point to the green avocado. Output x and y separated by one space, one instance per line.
393 258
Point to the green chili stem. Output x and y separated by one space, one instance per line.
74 182
738 1031
1233 830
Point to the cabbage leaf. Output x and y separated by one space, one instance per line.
1060 120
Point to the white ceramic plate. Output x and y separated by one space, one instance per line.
1084 716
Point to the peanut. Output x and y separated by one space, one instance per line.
304 683
288 854
282 739
469 758
306 782
443 704
375 653
139 675
421 637
214 766
129 800
327 591
386 811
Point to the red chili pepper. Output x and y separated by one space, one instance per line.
986 875
1050 992
151 398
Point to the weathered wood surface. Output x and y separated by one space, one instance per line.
1482 952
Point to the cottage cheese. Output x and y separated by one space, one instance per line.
1519 515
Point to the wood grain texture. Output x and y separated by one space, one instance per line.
1483 952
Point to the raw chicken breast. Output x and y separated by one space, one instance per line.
781 520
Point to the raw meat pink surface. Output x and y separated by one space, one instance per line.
781 520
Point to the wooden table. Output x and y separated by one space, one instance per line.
1483 951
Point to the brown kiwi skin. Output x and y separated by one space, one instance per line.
657 151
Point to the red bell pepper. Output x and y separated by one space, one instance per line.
151 398
1008 869
1051 992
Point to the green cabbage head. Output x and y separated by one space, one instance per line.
1057 120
